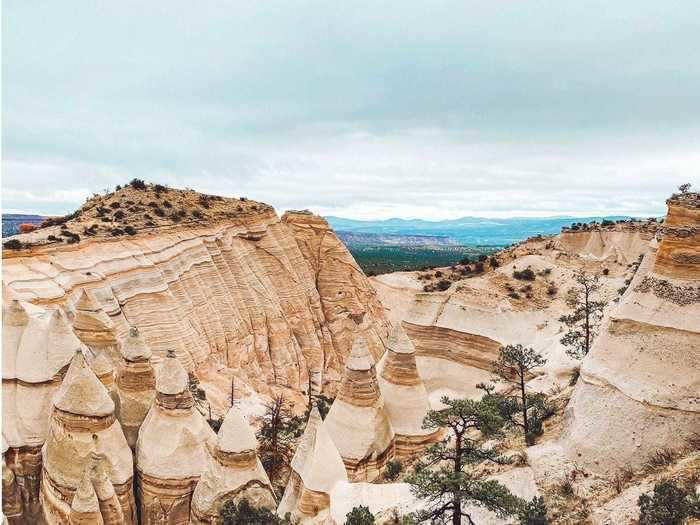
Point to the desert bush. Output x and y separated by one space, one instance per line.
12 244
661 458
159 188
119 215
114 205
118 187
243 513
159 212
534 512
606 271
130 230
669 505
167 204
552 289
514 295
393 469
137 184
494 262
359 516
116 232
525 275
197 214
566 487
204 201
443 285
438 274
53 238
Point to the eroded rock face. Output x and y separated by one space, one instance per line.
274 300
358 422
316 468
405 395
640 385
171 451
233 473
82 424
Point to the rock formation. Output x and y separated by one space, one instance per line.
82 423
358 422
12 506
171 451
405 396
85 509
640 385
37 346
316 468
233 473
110 508
94 327
136 382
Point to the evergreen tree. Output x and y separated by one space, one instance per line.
359 516
443 481
583 321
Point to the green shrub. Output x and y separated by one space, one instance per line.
137 184
525 275
534 512
359 516
443 285
393 469
669 505
12 244
245 514
130 230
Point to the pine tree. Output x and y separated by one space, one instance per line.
583 321
444 482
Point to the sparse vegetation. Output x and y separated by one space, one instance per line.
359 516
242 513
12 244
524 275
669 504
393 470
583 321
534 512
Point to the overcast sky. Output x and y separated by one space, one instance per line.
431 109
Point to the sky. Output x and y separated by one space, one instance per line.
431 109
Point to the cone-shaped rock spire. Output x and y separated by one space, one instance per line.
233 472
136 381
85 509
82 423
168 469
93 326
110 508
316 468
357 422
405 395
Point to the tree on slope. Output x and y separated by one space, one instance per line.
585 316
444 481
514 365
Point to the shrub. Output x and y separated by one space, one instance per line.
159 188
197 214
669 505
137 184
607 222
115 205
159 212
130 230
552 290
175 217
443 285
53 238
393 469
525 275
12 244
514 295
152 204
493 262
116 232
438 274
167 204
119 215
534 512
118 187
359 516
204 201
606 271
245 514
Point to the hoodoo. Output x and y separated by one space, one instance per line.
12 506
37 346
136 382
82 423
233 472
171 451
405 396
110 509
641 380
316 468
85 509
94 327
358 422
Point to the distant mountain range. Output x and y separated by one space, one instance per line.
463 231
390 239
11 222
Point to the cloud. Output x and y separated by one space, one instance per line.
414 109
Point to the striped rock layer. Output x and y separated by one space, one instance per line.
640 385
233 473
358 422
405 395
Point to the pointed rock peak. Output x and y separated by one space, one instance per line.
314 419
135 348
14 313
102 365
171 376
85 499
359 358
81 392
98 474
235 434
85 302
399 341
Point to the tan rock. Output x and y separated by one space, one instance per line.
405 396
82 424
136 381
85 509
316 468
171 451
357 421
93 326
233 473
12 506
110 508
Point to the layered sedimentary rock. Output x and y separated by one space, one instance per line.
358 422
108 501
274 300
171 451
315 469
93 326
37 346
405 396
12 506
136 382
622 243
85 508
640 385
233 473
82 423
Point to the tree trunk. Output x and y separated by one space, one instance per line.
456 500
526 426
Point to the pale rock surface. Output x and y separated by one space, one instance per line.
171 451
85 509
316 468
82 424
233 472
358 422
